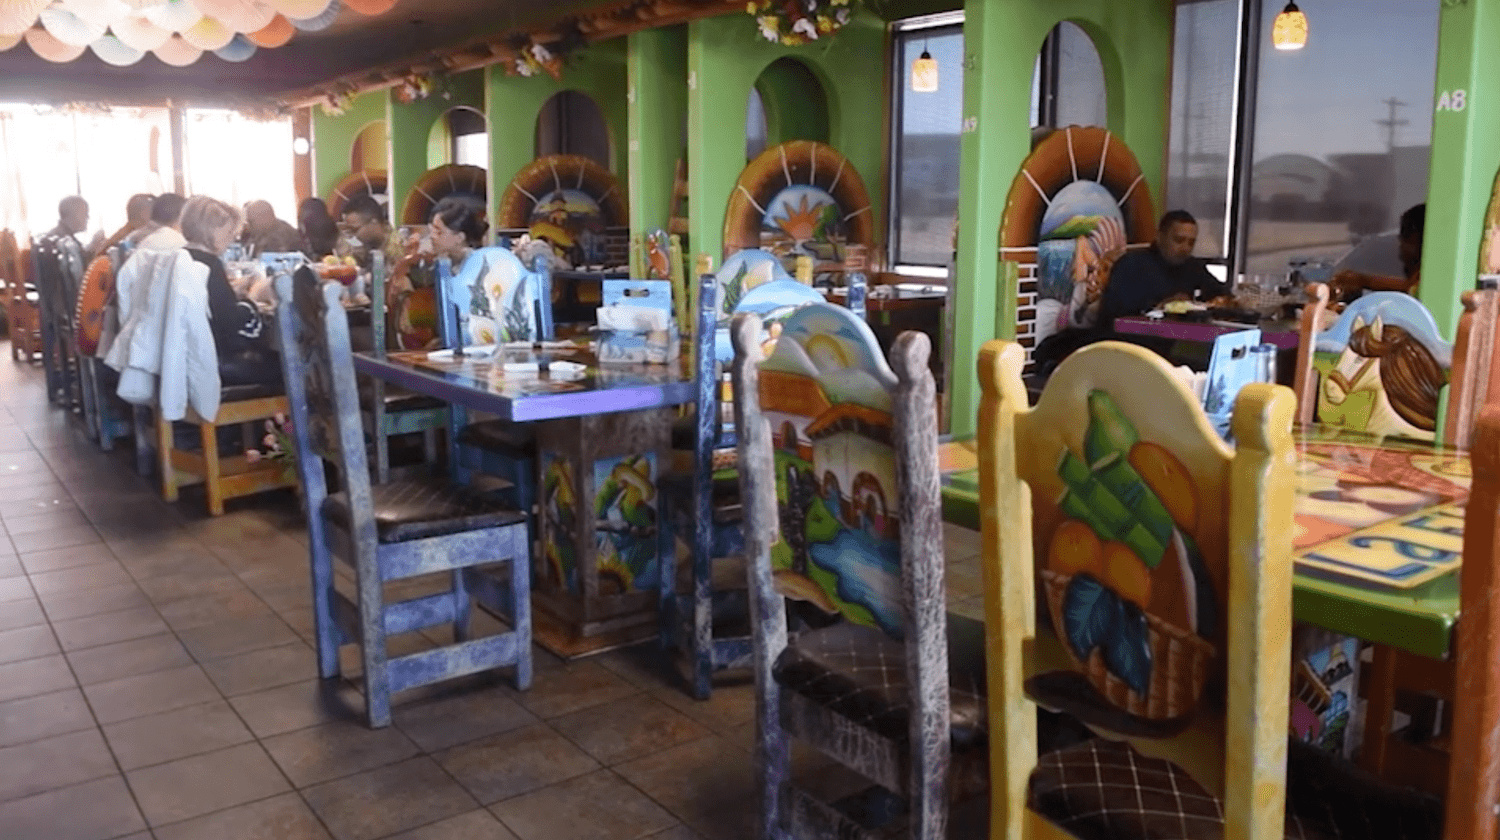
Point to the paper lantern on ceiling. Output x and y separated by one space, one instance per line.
207 34
174 16
301 9
100 12
177 52
370 7
17 16
8 41
68 28
112 51
143 5
139 33
237 15
45 45
275 35
322 21
238 49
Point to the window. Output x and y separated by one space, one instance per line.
469 139
227 159
1343 131
1077 78
924 172
570 123
1201 135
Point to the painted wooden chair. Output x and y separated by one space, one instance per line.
701 502
839 481
106 416
1474 773
1163 559
1476 376
1379 369
494 299
390 532
23 315
389 412
54 274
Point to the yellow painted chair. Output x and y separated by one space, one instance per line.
1164 559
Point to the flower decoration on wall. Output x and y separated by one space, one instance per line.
532 58
415 88
338 102
178 32
794 22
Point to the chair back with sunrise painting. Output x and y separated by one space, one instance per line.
1164 569
1380 369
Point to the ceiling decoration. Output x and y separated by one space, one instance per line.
177 32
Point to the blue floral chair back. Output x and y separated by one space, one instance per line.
493 298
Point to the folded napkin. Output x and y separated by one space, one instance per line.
557 370
478 350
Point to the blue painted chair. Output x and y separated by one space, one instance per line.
842 510
494 279
702 505
390 412
390 532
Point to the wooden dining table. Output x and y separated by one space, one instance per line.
606 426
1378 533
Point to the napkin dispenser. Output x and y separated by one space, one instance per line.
636 324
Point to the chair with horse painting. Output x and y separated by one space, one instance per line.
1379 369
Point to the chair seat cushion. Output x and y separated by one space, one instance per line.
860 673
237 393
678 487
517 440
1106 790
414 510
397 400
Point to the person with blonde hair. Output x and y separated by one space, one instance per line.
243 342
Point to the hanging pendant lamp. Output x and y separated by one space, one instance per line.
924 73
1289 31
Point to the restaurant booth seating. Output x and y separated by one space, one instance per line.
393 531
1170 619
839 483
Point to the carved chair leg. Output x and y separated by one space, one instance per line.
373 647
520 589
212 470
164 458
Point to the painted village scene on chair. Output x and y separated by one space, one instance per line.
826 392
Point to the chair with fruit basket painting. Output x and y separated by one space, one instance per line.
1165 571
839 485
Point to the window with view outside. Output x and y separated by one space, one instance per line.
1202 119
926 173
1343 130
1079 91
238 159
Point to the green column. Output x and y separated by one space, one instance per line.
1465 153
657 112
1001 41
411 129
333 138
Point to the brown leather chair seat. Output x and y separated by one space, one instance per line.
413 510
1106 790
860 673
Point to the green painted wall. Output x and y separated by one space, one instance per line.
513 102
333 138
1465 154
1001 40
657 110
411 126
725 57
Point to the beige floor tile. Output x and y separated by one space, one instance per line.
298 706
136 657
66 604
53 762
23 613
58 559
262 669
35 718
108 628
159 738
212 608
216 641
284 817
516 762
380 802
16 588
628 728
722 793
598 806
334 750
97 810
461 711
580 685
147 694
31 677
190 787
475 825
27 643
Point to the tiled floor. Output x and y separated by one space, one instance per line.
156 682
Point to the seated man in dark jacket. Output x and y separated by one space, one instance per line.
1141 280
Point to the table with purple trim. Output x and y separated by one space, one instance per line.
1283 334
599 455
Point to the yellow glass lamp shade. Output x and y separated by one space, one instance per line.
1289 32
924 73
